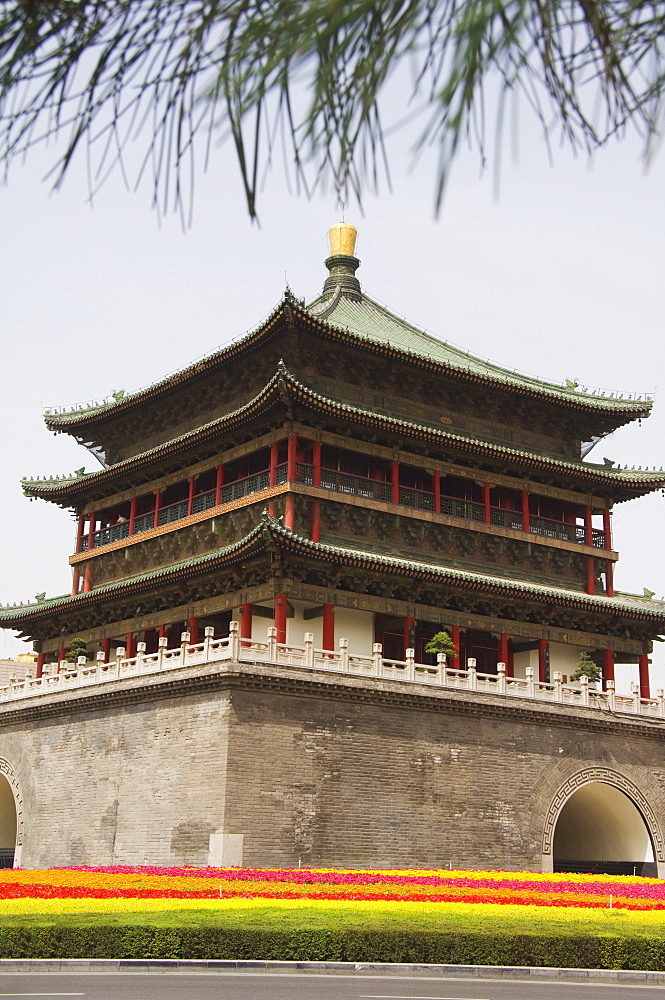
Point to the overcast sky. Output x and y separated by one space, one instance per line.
558 275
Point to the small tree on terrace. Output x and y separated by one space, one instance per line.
586 668
77 647
441 643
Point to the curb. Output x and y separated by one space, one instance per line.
139 965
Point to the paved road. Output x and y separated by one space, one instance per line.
286 986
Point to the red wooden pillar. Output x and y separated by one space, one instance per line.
607 529
328 641
645 687
588 525
409 634
437 492
245 621
106 647
132 514
87 578
158 504
394 478
608 667
291 458
41 660
193 629
281 605
454 660
542 660
79 532
274 461
76 581
190 495
130 645
315 533
487 503
503 652
163 631
316 459
219 482
590 576
609 578
91 530
62 653
289 511
525 511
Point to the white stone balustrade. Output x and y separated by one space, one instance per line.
65 676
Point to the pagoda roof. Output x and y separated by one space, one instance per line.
67 490
367 324
270 535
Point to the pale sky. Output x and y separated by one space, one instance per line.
559 275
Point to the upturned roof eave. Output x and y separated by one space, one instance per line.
66 492
509 381
270 533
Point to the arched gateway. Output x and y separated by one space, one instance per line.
10 816
600 822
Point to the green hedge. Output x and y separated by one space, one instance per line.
114 941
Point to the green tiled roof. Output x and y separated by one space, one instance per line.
68 489
270 533
369 319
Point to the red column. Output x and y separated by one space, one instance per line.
394 478
291 458
542 650
328 641
645 687
106 646
503 651
79 532
76 580
193 629
281 604
525 511
130 646
608 667
289 511
315 533
132 513
245 621
62 653
91 530
87 578
590 576
274 462
486 503
454 660
163 631
190 495
158 503
437 493
607 529
588 525
218 485
41 660
316 458
409 633
609 578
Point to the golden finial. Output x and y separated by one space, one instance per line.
342 239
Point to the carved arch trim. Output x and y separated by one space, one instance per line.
8 772
608 777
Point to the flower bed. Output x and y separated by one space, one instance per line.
151 887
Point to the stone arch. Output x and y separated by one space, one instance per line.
11 811
604 776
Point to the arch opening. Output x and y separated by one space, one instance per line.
8 824
600 830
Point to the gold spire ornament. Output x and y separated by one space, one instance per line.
342 239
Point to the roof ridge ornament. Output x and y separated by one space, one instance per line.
342 262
